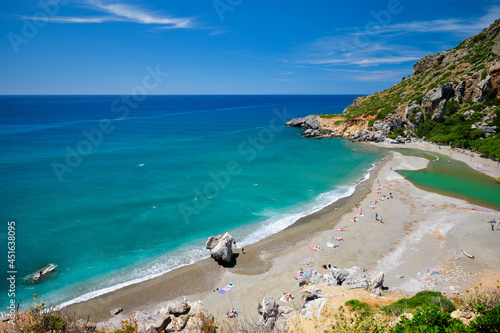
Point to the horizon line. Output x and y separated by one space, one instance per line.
260 94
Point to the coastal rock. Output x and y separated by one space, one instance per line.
270 313
177 316
376 283
116 311
354 277
179 306
313 302
305 122
221 247
269 308
86 326
312 126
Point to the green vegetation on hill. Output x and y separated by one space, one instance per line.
445 88
430 312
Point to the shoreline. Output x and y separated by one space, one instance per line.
268 265
473 160
207 270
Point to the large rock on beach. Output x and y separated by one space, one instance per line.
177 316
221 247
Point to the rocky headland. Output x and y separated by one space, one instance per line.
452 97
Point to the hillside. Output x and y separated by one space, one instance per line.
451 97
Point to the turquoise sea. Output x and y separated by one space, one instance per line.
116 191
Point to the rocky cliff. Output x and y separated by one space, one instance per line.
460 86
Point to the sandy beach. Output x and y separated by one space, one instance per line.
418 245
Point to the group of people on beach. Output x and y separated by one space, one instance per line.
286 297
242 248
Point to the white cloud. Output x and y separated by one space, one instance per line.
460 27
390 44
139 16
123 13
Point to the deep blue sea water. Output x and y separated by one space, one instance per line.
117 191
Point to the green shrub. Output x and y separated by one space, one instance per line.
359 321
451 107
425 128
420 299
430 318
397 132
356 305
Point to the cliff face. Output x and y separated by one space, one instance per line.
441 90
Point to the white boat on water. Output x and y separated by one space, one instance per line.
44 271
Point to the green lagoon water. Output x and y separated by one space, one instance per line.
455 179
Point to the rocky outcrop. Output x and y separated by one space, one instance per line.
175 316
221 247
274 318
441 85
427 62
313 301
354 277
116 311
305 122
465 316
311 125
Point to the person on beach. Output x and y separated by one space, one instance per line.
243 250
380 220
376 216
259 308
493 222
232 313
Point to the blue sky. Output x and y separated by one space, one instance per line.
226 46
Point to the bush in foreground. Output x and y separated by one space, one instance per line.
420 299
